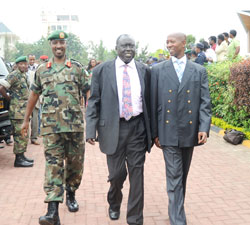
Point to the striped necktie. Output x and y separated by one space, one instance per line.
127 109
179 69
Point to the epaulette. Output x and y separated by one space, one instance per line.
75 62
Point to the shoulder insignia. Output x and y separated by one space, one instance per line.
48 64
68 64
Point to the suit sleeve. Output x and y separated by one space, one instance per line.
205 104
93 108
154 102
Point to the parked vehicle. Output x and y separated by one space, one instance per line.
5 125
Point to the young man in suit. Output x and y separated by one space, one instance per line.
118 108
180 118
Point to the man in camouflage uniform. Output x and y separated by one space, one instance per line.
60 82
17 84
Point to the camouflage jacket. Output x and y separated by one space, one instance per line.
18 86
61 87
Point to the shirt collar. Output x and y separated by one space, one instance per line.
182 59
120 63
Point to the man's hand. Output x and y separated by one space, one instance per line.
91 141
157 142
202 137
24 129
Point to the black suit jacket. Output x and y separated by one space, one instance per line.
103 105
179 110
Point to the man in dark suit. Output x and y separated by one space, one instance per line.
180 115
118 108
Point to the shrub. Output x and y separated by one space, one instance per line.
240 79
230 92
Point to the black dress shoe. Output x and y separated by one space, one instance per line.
21 162
71 201
52 216
114 215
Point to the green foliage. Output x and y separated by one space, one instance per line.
222 124
222 94
142 55
190 41
76 50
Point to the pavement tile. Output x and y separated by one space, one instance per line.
218 188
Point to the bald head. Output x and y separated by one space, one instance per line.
179 36
176 43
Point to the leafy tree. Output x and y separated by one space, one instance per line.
76 50
190 41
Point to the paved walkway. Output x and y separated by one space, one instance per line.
218 189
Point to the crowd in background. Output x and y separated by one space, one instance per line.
217 49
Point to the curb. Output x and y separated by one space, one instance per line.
220 131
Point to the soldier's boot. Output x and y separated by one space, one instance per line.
71 201
21 162
52 216
27 159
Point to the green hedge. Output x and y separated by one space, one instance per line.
223 96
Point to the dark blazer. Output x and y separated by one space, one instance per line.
103 106
179 110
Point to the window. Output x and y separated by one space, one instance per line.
62 17
53 28
74 18
65 27
59 27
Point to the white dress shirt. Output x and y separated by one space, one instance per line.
182 61
134 84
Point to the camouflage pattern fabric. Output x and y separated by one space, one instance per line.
19 93
61 87
20 143
59 147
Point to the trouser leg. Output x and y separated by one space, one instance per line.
187 154
20 142
174 172
136 150
34 125
117 176
75 150
54 167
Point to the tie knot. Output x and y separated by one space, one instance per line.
179 62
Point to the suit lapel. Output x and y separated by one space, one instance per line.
141 76
186 75
112 76
172 73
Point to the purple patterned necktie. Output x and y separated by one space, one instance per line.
127 109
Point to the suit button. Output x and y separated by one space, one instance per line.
169 101
168 111
190 122
189 101
167 121
189 111
188 91
170 91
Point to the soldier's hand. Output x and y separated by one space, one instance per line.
91 141
157 142
24 129
202 137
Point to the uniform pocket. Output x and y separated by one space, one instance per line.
48 117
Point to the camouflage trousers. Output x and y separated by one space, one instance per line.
59 149
20 143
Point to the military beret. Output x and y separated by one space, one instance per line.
200 45
58 34
44 57
21 59
188 51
